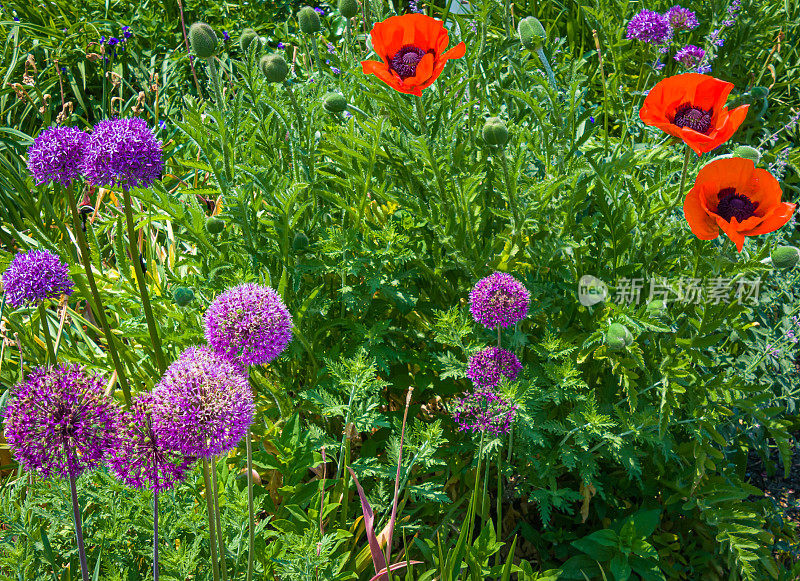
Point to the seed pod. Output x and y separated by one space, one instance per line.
747 152
348 8
203 40
618 337
308 19
300 242
531 33
495 132
273 66
214 225
785 257
183 296
247 38
334 103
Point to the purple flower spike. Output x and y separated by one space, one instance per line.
123 152
690 56
140 459
499 300
650 27
484 411
249 324
35 276
682 18
488 366
202 406
57 155
61 421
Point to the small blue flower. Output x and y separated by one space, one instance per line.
336 71
281 45
226 35
591 118
162 124
319 11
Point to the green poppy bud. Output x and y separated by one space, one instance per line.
300 242
531 33
747 152
495 132
274 67
215 225
334 103
247 38
785 257
309 20
183 296
348 8
618 337
759 92
656 307
203 40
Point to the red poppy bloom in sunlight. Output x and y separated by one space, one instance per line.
733 195
692 108
412 47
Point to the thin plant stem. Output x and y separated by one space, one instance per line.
316 53
133 248
397 484
499 503
186 43
250 508
549 71
155 536
51 356
223 130
511 189
295 106
484 517
223 568
471 513
76 515
605 94
683 172
498 335
62 318
212 541
98 304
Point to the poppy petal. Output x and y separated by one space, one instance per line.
764 189
423 72
381 70
711 93
456 52
777 218
702 225
731 229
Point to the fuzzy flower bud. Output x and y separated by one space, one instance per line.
183 296
618 337
348 8
246 39
214 225
747 152
495 132
531 33
308 19
785 257
273 67
334 103
300 242
203 40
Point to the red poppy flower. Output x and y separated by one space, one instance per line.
692 108
412 47
733 195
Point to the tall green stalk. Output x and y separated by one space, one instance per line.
98 304
223 568
155 536
213 73
683 172
51 355
212 539
133 248
76 515
250 508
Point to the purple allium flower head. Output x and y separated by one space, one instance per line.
248 324
650 27
57 154
34 276
126 32
484 411
113 41
202 406
488 366
123 152
682 18
690 56
139 459
61 421
499 300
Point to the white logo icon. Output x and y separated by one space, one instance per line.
591 290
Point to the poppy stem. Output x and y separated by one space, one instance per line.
683 173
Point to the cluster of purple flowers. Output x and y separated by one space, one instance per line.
487 367
118 152
117 43
34 276
499 300
484 411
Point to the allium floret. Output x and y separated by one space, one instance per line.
34 276
249 324
57 155
650 27
488 366
139 458
690 56
124 153
499 300
60 421
484 411
202 406
682 18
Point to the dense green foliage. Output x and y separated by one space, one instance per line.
623 462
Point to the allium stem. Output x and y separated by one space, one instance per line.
155 536
473 504
223 568
499 503
76 514
498 335
98 304
250 508
51 357
137 268
212 538
683 173
316 52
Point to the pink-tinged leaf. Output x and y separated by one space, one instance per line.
378 560
393 568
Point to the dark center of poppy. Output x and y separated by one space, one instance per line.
405 61
735 205
693 118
